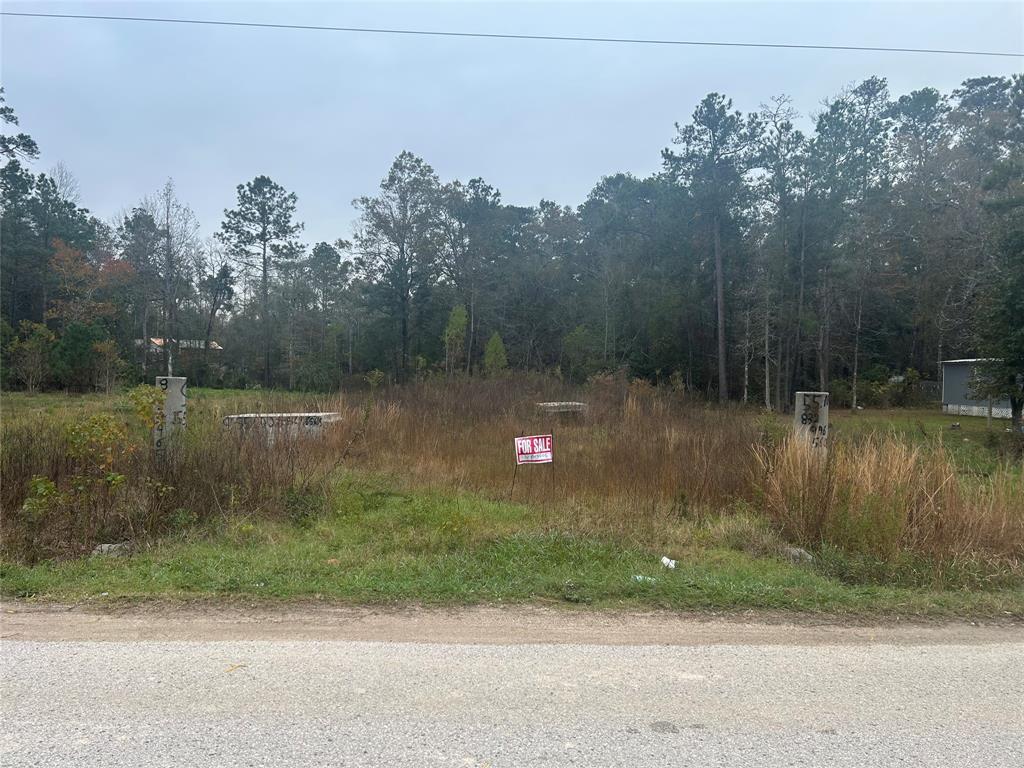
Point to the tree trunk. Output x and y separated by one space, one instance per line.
206 342
746 355
404 365
689 359
607 321
291 355
351 333
168 269
145 341
723 386
767 356
265 311
13 303
856 349
781 399
472 332
795 354
824 335
823 357
323 323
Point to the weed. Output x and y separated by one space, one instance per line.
647 468
884 500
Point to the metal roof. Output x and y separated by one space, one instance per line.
185 343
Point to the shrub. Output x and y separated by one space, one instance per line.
455 339
74 356
146 402
30 354
495 359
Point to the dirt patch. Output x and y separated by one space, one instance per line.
166 621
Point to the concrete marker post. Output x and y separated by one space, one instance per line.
810 418
172 418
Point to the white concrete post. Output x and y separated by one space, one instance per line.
810 417
173 417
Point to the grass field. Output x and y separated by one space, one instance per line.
408 500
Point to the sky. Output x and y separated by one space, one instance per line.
126 105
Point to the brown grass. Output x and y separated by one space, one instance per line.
883 497
636 453
643 463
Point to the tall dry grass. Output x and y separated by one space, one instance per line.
639 463
884 497
637 452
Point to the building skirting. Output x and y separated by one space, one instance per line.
976 410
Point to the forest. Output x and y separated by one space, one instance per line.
758 261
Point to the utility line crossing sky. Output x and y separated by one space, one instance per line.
126 104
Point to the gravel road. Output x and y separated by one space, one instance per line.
724 693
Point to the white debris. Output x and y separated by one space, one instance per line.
668 562
644 579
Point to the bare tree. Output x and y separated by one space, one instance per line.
179 241
66 183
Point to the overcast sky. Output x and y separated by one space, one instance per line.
125 105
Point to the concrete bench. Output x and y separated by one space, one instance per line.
285 425
562 407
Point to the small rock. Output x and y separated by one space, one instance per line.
119 549
664 726
798 554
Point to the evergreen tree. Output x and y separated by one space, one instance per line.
259 233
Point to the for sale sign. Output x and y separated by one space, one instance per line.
535 449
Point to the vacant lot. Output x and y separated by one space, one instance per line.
410 498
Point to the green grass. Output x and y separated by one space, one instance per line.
375 545
383 540
976 447
52 402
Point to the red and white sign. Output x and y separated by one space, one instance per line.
535 449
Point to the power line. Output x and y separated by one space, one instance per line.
507 36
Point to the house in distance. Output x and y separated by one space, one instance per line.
957 400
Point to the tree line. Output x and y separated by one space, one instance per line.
758 261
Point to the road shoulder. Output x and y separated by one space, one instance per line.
489 625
